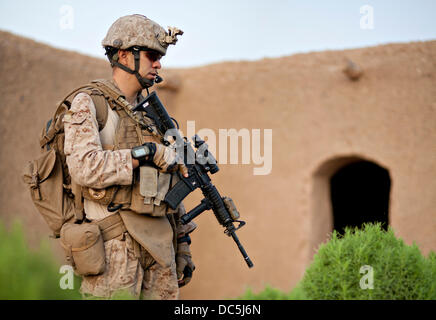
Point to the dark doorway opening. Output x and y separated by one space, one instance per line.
359 194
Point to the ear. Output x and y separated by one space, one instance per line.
123 56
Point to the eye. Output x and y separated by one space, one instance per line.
153 55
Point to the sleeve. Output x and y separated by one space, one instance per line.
89 165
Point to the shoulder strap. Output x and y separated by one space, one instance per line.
54 125
110 92
99 100
100 108
118 102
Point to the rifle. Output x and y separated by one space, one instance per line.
199 164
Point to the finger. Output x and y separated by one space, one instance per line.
181 283
184 170
187 272
191 265
186 280
181 265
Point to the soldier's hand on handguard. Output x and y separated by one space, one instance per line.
162 156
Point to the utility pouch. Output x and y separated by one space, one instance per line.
149 191
84 248
147 183
163 186
143 191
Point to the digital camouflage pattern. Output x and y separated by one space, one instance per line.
138 30
140 278
88 164
160 283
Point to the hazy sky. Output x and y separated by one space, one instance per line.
227 29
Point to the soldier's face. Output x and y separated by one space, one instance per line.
150 62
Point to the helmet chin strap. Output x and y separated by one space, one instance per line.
144 82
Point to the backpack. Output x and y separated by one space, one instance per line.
47 177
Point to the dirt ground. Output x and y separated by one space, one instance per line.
314 111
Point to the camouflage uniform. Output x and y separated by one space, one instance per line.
128 267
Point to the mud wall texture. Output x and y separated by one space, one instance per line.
320 122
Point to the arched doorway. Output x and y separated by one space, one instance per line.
361 189
359 193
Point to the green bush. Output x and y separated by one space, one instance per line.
399 271
270 293
29 274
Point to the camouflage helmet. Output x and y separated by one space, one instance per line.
137 30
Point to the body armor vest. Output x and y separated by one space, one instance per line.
149 185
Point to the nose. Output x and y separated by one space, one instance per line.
156 64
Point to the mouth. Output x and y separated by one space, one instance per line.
151 76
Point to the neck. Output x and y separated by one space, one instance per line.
128 86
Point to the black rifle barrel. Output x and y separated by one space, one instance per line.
241 248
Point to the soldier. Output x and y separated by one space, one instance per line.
146 247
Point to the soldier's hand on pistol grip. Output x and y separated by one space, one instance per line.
184 264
